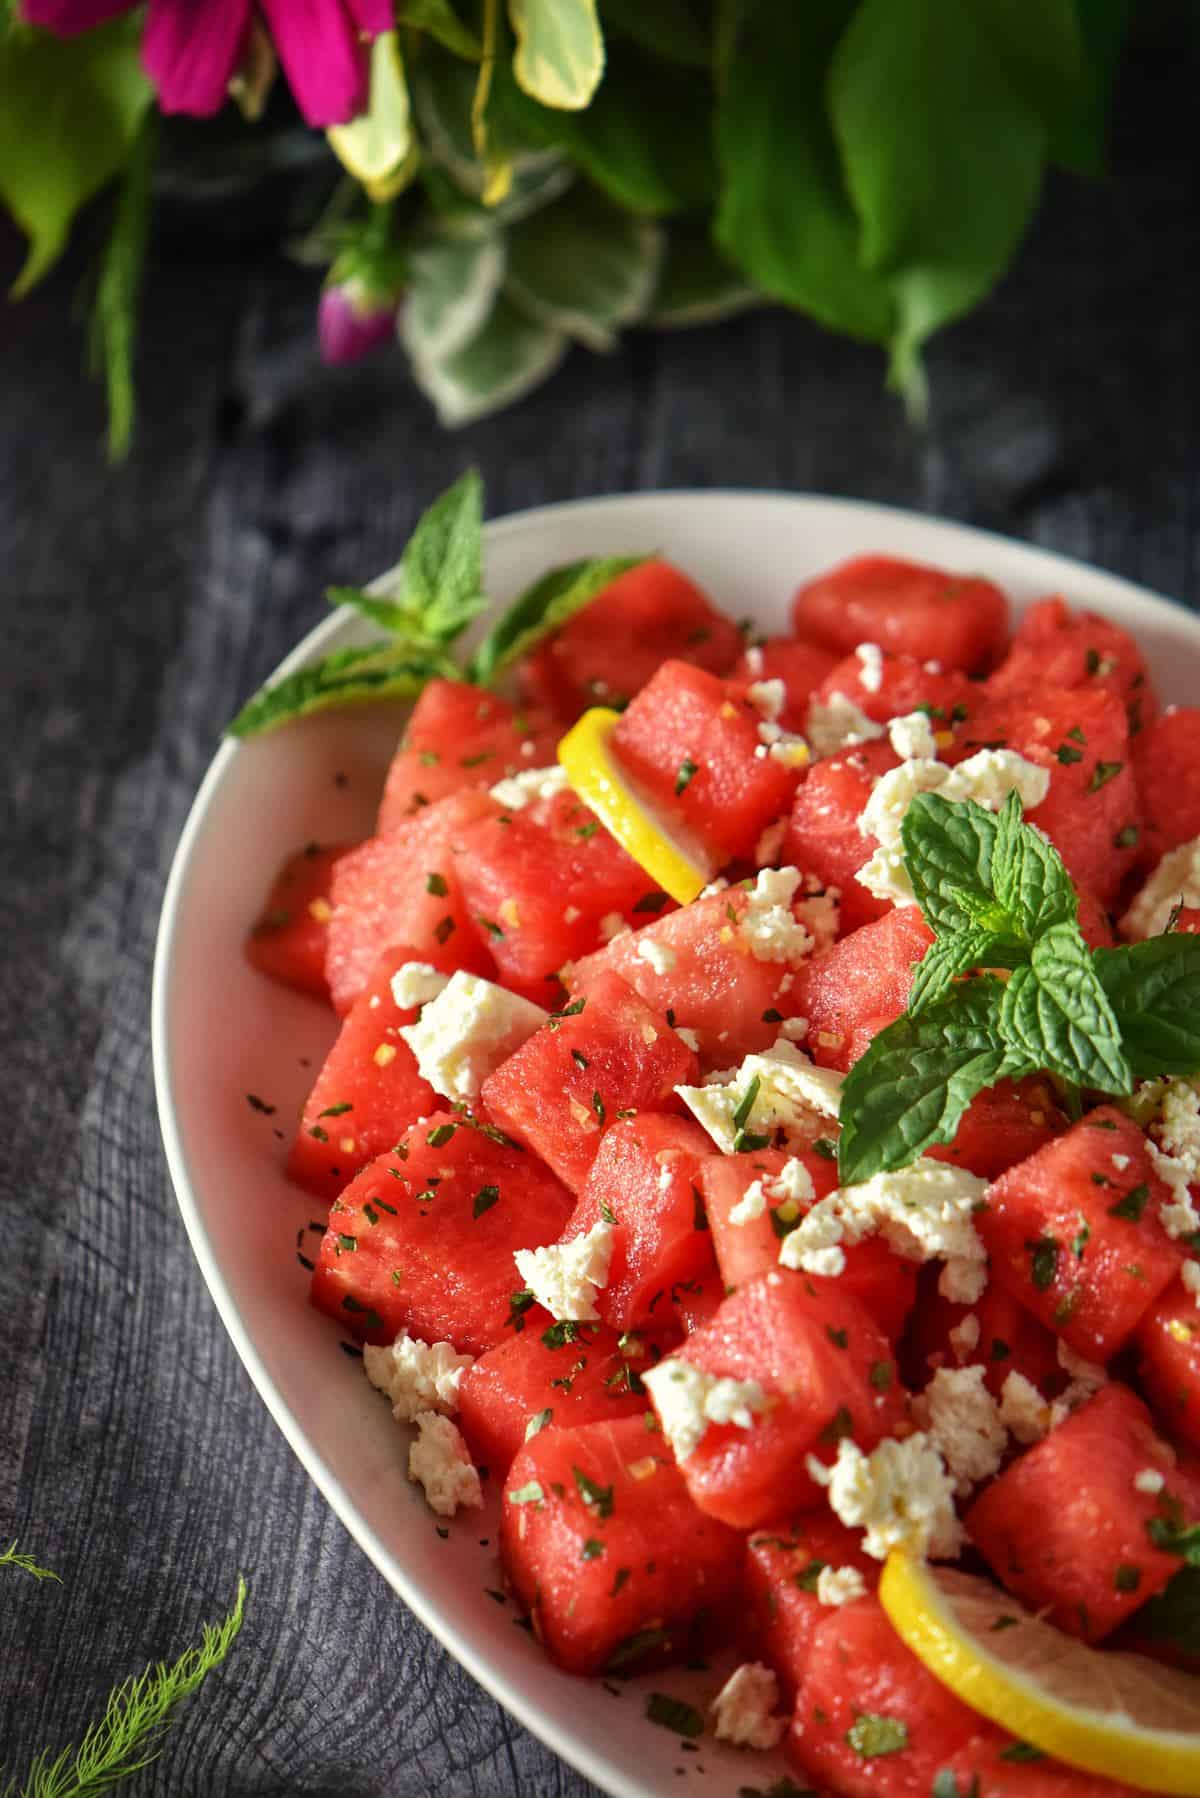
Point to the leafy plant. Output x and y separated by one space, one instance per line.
538 173
11 1557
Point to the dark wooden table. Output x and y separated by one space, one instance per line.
139 608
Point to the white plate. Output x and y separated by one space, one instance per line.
221 1031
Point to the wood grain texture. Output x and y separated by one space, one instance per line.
139 609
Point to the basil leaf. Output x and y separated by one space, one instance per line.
783 215
1154 990
959 953
911 1087
542 608
1055 1014
1029 878
348 677
443 560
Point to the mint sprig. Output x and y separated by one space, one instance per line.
1009 987
439 592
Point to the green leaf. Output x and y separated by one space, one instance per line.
454 283
439 19
560 50
505 359
952 956
444 93
911 1087
667 28
71 114
1154 990
10 1557
674 1714
1078 135
112 327
697 285
542 608
948 855
784 215
129 1734
347 677
1055 1014
379 147
646 139
584 266
1029 878
943 157
443 560
1174 1616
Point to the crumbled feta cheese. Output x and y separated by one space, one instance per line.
768 697
572 914
1174 1148
965 1425
770 844
791 1186
566 1276
794 1029
469 1029
719 885
1189 1273
1175 881
415 983
741 1710
1023 1410
840 1585
792 1096
755 661
612 924
440 1462
1120 1162
752 1204
924 1212
660 956
1086 1373
912 737
417 1376
900 1494
518 790
1149 1480
688 1399
987 777
837 723
965 1336
871 670
689 1038
820 915
767 924
781 745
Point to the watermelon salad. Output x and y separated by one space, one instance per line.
761 1142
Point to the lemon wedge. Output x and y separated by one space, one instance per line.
586 755
1116 1714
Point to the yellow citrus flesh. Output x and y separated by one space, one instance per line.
1120 1715
586 755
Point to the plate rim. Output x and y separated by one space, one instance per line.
460 1644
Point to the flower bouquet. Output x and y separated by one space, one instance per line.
504 181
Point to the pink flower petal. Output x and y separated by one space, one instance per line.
66 17
349 326
190 49
322 55
373 16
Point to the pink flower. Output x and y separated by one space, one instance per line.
351 321
191 48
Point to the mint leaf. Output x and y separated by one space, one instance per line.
348 677
783 215
542 608
1056 1016
1154 990
911 1087
443 560
948 848
1029 877
951 956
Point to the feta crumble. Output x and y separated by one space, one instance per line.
440 1462
840 1585
612 924
768 697
687 1400
416 983
792 1185
1174 1148
987 777
964 1425
870 657
689 1038
964 1337
769 846
416 1376
566 1276
1189 1273
660 956
518 790
767 924
741 1710
912 738
466 1031
1150 1481
792 1095
923 1212
837 723
1175 881
900 1494
1024 1413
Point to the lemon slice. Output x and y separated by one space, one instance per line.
587 757
1116 1714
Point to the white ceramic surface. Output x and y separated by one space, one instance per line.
221 1031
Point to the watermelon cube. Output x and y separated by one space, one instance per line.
288 939
823 836
1068 1529
1004 1124
993 1766
800 666
1055 647
825 1370
782 1568
1074 1233
423 1240
541 1377
692 744
604 1547
1168 1341
852 990
958 620
884 686
460 736
403 888
606 1054
999 1335
1166 767
644 1181
609 650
